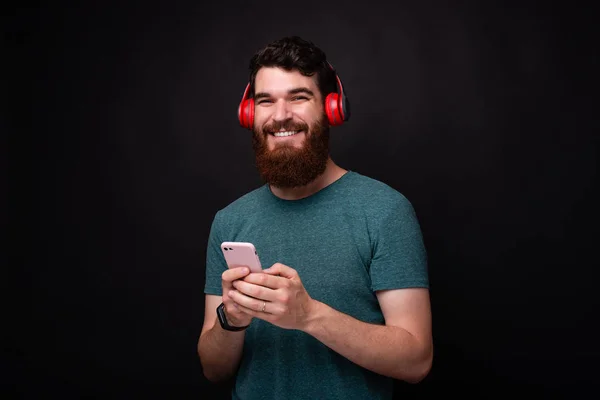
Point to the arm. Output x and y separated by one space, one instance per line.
220 350
402 348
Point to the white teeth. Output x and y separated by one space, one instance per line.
287 133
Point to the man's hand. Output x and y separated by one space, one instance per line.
276 295
235 316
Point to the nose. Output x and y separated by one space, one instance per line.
282 111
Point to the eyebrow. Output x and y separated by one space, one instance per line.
297 90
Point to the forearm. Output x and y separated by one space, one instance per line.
220 352
387 350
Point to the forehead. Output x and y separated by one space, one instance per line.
278 81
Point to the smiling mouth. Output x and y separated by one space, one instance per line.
285 133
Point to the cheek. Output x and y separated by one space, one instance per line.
259 120
309 115
261 115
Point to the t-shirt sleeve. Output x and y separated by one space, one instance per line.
399 255
215 262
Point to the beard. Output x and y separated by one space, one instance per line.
287 166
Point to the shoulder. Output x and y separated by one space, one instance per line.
384 207
376 193
247 204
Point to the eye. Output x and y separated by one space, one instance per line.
264 101
299 98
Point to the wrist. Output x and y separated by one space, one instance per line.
227 324
315 316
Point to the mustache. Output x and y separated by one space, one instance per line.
286 126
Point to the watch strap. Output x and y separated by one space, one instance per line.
223 320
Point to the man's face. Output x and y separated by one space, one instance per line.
291 132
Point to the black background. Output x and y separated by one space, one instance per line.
483 115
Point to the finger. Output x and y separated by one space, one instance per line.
244 302
266 315
253 306
271 312
234 273
267 280
256 291
281 270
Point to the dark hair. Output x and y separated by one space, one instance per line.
295 53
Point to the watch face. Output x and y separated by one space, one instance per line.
221 315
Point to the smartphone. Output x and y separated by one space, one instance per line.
241 253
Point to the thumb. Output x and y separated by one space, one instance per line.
281 270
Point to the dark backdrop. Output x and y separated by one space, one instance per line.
484 116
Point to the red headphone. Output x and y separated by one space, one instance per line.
337 106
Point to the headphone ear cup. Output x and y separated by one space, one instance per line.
246 113
246 110
344 107
332 109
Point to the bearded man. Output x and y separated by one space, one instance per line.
342 308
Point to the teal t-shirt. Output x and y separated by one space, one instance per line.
347 241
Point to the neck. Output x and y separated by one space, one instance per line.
331 174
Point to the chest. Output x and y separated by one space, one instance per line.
329 247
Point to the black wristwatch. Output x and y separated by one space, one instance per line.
223 320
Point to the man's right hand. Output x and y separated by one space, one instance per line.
235 317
